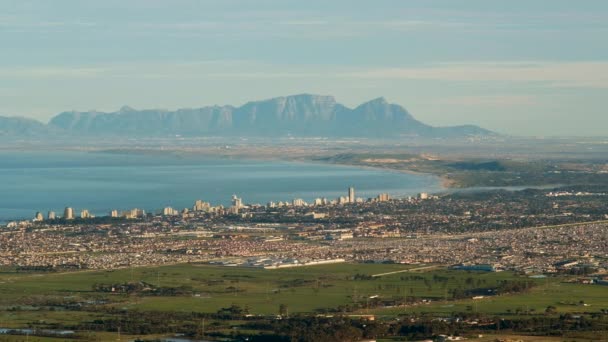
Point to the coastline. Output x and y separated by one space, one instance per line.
368 183
445 181
289 154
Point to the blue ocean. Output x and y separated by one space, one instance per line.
34 181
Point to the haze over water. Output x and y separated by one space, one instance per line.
100 182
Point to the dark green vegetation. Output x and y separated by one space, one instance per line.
472 172
320 300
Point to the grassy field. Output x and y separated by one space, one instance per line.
28 299
302 289
564 297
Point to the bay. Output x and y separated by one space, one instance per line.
32 181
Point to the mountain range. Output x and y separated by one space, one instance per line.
297 115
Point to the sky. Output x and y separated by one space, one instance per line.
518 67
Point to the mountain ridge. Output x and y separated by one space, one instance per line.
295 115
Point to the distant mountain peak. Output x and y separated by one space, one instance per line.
377 103
126 109
295 115
378 100
301 98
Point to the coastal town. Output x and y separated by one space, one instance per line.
303 171
493 231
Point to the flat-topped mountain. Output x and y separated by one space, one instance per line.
298 115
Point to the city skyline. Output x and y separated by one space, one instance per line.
202 206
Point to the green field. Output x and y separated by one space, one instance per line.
564 297
38 299
303 289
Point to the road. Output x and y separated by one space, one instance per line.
408 270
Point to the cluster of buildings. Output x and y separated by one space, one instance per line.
489 232
128 214
69 214
528 250
349 199
160 240
574 193
206 207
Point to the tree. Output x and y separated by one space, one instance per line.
283 310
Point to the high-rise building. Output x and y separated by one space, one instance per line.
383 197
298 202
114 213
237 202
351 195
38 217
68 213
51 215
84 214
128 214
201 206
423 196
168 211
133 213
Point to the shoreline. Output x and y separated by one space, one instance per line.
445 182
402 187
324 158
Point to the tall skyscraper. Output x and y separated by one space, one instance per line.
114 213
51 215
68 213
351 195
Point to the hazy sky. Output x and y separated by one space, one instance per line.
529 67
